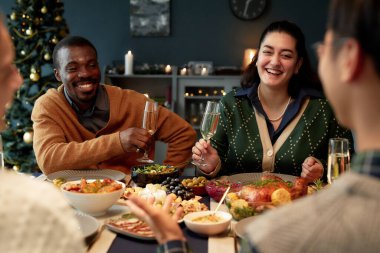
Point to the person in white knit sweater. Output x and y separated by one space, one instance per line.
34 216
345 216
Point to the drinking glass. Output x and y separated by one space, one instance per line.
150 124
2 166
338 158
209 124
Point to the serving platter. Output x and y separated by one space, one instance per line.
253 177
131 226
71 175
88 225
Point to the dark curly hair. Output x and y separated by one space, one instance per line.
70 41
306 76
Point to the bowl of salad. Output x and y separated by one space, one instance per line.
153 174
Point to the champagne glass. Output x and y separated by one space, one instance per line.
209 124
150 124
338 158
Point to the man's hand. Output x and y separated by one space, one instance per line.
134 138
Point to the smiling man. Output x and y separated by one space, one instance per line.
84 124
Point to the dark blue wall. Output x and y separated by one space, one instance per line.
201 30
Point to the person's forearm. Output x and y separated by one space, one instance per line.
53 154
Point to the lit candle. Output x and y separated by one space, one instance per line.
128 63
204 72
183 71
249 54
168 69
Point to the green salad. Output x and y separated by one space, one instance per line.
155 169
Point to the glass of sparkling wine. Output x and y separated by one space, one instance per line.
209 124
338 158
150 124
2 166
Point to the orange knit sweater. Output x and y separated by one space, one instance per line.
60 142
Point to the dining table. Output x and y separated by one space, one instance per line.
110 242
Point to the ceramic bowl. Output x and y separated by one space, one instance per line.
207 228
146 174
94 204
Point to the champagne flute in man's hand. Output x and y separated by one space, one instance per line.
209 124
150 124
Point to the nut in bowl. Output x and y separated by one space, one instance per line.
208 223
93 197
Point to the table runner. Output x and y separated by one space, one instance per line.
105 238
223 243
108 241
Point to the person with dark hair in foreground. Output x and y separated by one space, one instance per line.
344 217
34 215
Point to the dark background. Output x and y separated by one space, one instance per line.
201 30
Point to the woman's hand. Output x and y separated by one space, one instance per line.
312 169
164 225
203 152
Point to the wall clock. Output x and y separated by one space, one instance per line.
248 9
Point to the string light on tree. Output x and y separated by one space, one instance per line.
29 31
54 40
47 56
58 18
13 16
44 10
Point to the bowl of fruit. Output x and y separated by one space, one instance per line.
216 188
196 184
153 174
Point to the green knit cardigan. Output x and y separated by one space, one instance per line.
239 146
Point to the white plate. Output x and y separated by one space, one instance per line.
88 225
71 175
126 232
242 225
252 177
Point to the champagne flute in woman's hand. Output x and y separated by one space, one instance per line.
150 124
209 124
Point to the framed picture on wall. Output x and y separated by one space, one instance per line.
149 17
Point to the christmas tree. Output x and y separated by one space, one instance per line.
35 26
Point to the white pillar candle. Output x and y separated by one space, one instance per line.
204 72
168 69
183 71
128 63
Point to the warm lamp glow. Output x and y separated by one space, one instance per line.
249 53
